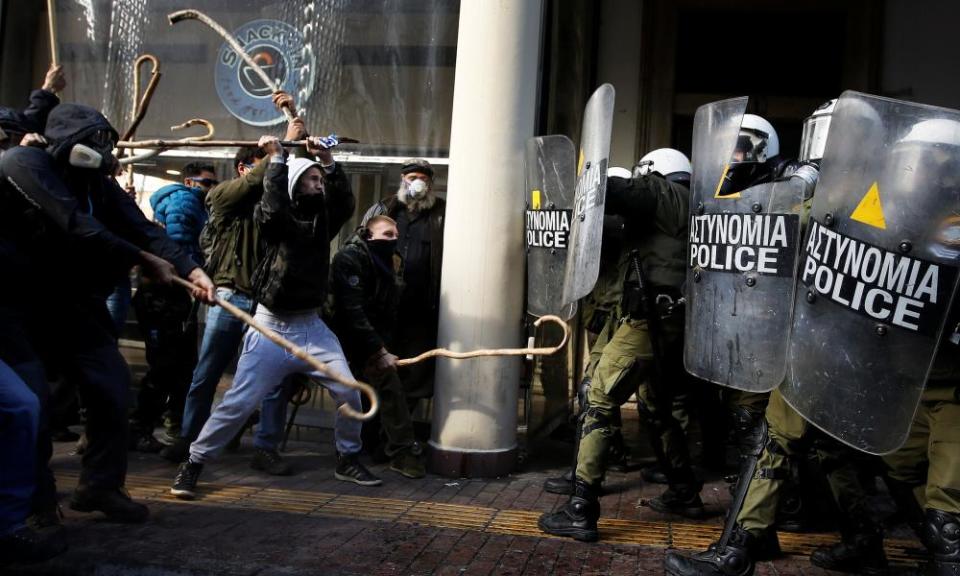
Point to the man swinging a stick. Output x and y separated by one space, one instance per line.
304 205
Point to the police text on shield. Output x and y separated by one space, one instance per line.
548 229
761 243
886 286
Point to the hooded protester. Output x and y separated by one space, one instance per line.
366 293
304 205
419 214
79 225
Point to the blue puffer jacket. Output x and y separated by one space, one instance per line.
180 210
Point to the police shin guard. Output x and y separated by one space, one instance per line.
577 518
941 536
738 549
564 484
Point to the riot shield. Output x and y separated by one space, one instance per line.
549 197
741 262
583 258
877 271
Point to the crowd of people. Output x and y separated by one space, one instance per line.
70 236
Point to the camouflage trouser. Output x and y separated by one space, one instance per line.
625 365
929 460
791 435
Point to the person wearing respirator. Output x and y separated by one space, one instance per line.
88 233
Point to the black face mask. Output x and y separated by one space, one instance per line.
383 249
309 203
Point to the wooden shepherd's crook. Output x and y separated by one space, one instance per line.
141 103
300 353
191 14
165 144
498 351
52 29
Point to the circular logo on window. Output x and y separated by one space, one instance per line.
278 50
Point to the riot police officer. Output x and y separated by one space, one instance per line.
643 353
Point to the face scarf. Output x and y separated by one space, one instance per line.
383 251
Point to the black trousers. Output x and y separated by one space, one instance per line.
167 319
78 335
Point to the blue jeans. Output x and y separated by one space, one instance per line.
118 304
262 369
19 423
221 339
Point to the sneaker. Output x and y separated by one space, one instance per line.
176 452
185 484
115 503
81 448
349 469
49 517
27 545
409 464
146 443
270 462
169 437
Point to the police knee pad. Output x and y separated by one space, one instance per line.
941 535
751 429
582 390
600 421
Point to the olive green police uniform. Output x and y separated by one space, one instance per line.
638 358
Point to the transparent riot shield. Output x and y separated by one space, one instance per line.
583 258
741 262
551 177
877 270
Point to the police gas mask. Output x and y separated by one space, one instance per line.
94 152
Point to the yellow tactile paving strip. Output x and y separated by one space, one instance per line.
464 517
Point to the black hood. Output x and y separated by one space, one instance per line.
71 123
15 121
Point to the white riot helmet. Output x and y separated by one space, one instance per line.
757 141
618 172
815 129
663 161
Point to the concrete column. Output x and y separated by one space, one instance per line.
481 297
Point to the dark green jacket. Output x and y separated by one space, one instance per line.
230 240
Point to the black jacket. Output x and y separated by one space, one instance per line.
414 230
293 274
366 294
77 226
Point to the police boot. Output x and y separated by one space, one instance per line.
682 496
736 558
577 518
560 484
941 536
860 551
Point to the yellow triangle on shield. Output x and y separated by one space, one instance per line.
869 211
723 177
535 199
580 163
